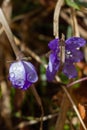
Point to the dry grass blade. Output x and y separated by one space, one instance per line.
36 120
9 34
74 23
7 8
6 108
38 99
62 114
68 20
56 18
74 107
38 59
18 54
77 81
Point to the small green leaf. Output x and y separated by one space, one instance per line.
82 4
66 127
64 78
17 114
72 4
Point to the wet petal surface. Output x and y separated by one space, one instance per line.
22 74
17 74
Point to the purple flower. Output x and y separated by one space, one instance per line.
72 55
22 74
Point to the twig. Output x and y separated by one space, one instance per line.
76 33
84 10
27 15
19 55
57 79
7 8
38 99
35 14
9 35
36 120
74 107
6 108
62 50
74 23
82 31
38 59
77 81
62 113
56 18
23 47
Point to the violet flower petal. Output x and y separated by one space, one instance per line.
52 60
22 74
75 56
26 85
53 66
30 71
54 44
72 55
69 70
50 75
74 42
17 74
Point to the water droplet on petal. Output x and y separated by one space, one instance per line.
22 74
14 68
19 82
12 75
68 52
77 48
17 74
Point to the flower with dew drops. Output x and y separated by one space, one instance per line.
22 74
72 55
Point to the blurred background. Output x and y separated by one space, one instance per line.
31 21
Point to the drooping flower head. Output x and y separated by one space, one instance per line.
22 74
72 55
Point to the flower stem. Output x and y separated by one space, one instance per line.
56 18
62 50
19 56
38 99
9 34
74 23
38 59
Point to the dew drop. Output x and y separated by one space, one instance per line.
68 52
20 82
14 68
12 75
